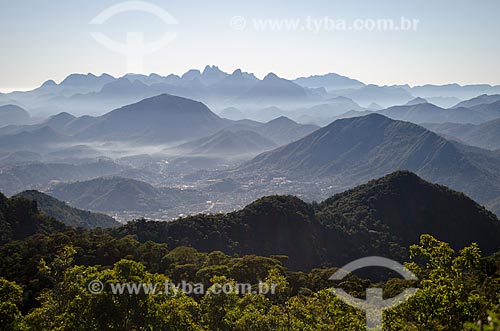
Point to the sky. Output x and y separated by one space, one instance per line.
454 41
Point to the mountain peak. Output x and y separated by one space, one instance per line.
237 72
370 119
375 106
191 74
330 81
160 99
400 176
13 114
49 83
212 74
410 205
241 75
416 101
63 115
158 119
482 99
271 77
211 69
58 122
10 107
347 147
281 119
105 75
89 79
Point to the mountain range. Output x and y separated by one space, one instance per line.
273 90
485 135
330 82
429 113
479 100
351 151
109 194
158 120
44 138
163 118
453 91
382 217
39 175
383 95
228 143
95 95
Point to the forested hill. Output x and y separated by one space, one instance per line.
20 218
382 217
66 214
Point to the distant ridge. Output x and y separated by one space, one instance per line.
163 118
353 150
482 99
13 115
110 194
382 217
229 143
330 81
274 90
416 101
68 215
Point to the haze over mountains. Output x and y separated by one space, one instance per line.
66 214
149 191
89 94
12 114
485 135
211 141
227 142
381 217
215 174
146 121
121 194
352 151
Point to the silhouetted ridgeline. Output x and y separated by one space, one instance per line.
382 217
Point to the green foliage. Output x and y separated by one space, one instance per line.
10 298
453 289
387 215
47 268
383 217
456 292
492 322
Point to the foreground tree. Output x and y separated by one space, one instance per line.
453 289
10 298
